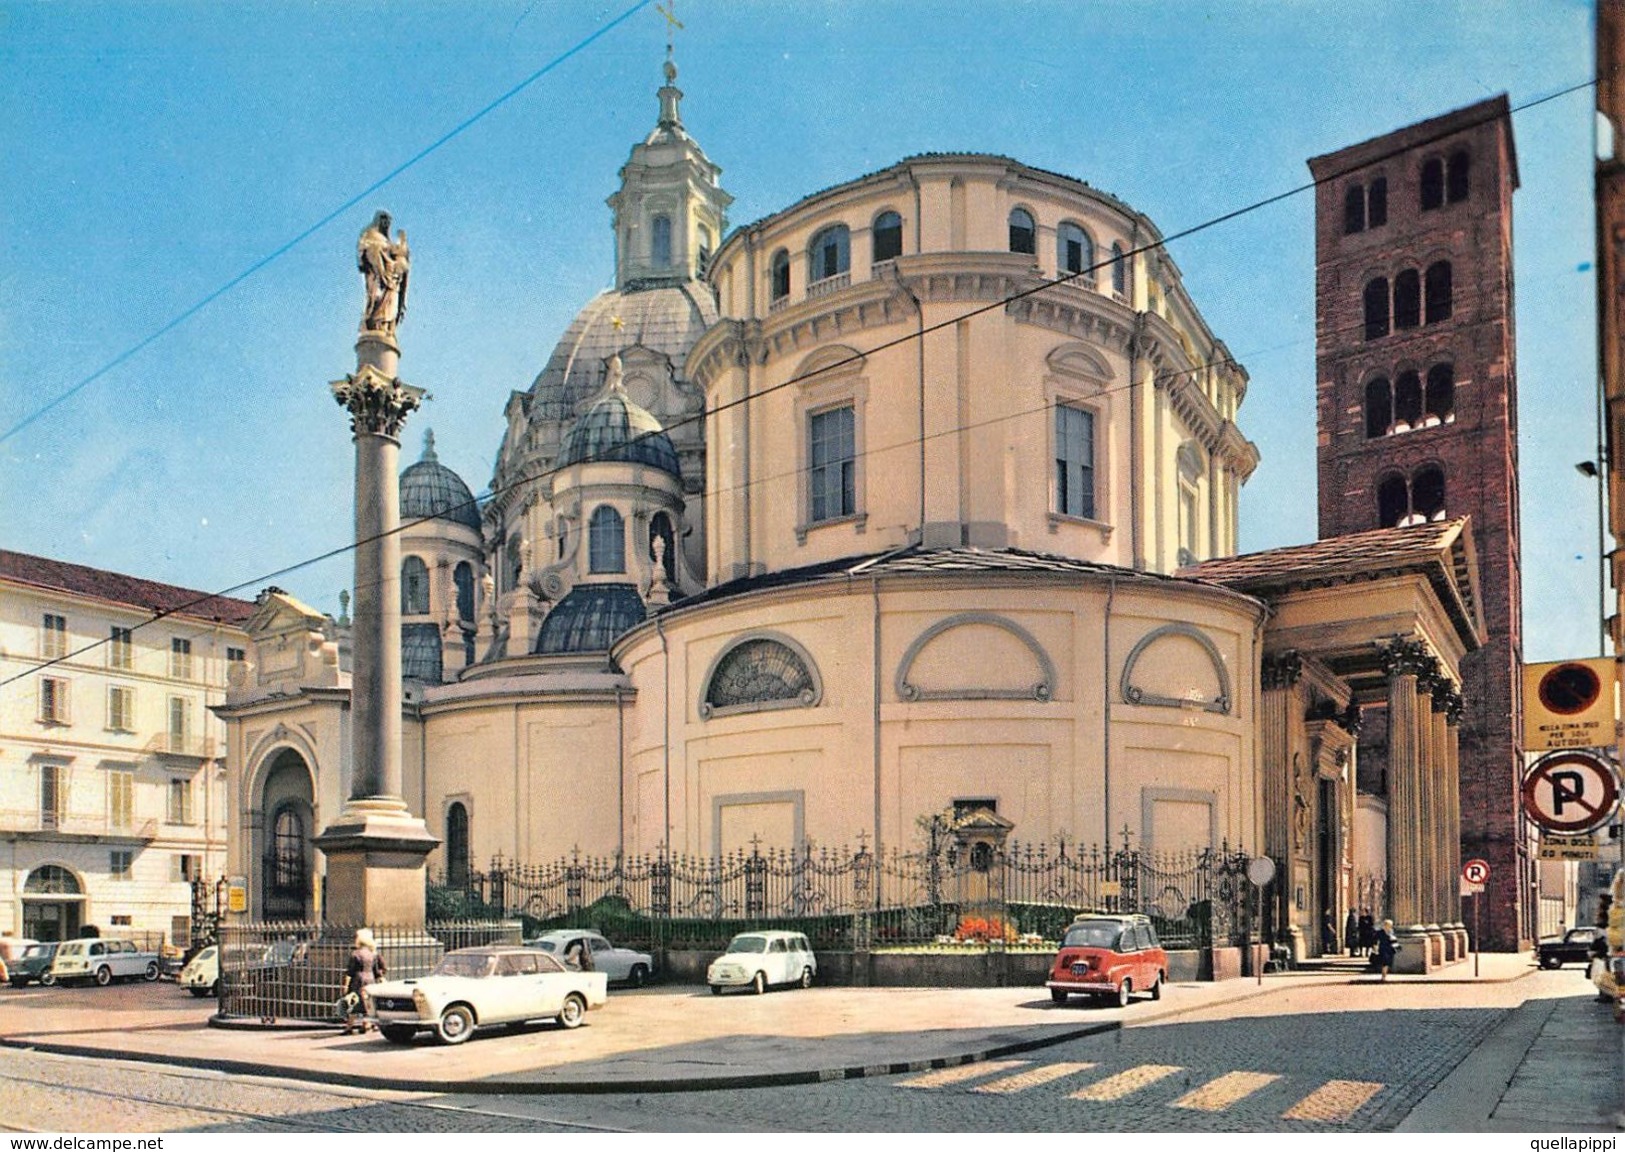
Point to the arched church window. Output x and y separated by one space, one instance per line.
1379 408
660 529
705 251
1393 501
414 587
660 248
1377 203
1407 299
1441 394
1119 271
606 541
1407 401
1427 495
829 254
510 565
781 275
1023 232
463 577
759 673
288 853
1376 308
1354 209
888 237
1456 185
1432 184
457 845
1075 253
1439 304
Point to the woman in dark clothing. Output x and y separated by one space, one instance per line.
1351 933
366 967
1368 932
1386 948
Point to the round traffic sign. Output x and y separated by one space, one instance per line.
1569 689
1475 871
1570 791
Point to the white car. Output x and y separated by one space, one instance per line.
103 961
618 964
472 987
757 959
201 975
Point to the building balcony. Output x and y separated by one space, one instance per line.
75 825
829 284
182 744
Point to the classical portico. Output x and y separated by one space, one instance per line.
1361 679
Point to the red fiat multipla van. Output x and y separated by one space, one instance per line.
1107 956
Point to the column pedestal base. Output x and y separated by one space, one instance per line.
376 853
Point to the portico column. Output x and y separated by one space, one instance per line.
1278 678
1444 880
1452 719
1404 661
1427 799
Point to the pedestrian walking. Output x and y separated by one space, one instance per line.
1386 948
1368 932
1351 933
366 967
1328 935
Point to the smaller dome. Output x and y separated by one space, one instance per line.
430 490
590 618
615 428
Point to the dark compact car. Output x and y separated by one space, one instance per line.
34 964
1573 947
1108 957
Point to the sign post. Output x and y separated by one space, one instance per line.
1475 874
1260 870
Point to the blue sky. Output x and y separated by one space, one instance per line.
154 152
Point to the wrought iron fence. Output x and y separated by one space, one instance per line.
846 899
295 970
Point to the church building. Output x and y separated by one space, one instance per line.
919 493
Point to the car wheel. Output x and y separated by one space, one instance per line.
200 993
759 984
1550 962
716 989
151 973
214 989
398 1033
1057 995
638 977
1156 987
806 977
1124 991
104 976
456 1024
573 1011
49 979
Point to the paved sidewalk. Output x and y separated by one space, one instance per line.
681 1038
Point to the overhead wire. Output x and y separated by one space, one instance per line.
1455 129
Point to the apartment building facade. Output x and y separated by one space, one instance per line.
111 764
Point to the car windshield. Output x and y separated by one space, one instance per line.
1093 934
748 944
38 950
471 965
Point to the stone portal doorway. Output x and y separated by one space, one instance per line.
53 904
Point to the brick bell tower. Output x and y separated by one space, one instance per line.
1417 416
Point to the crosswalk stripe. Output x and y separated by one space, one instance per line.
959 1072
1043 1074
1218 1094
1334 1100
1116 1087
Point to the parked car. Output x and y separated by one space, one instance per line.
201 974
1573 947
103 961
34 964
473 987
619 964
757 959
1108 956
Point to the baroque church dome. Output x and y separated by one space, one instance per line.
430 490
616 429
665 318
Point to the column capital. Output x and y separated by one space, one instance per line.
378 404
1280 670
1406 657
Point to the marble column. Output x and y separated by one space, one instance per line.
376 847
1404 662
1444 880
1279 678
1452 719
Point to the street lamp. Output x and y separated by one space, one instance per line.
1593 470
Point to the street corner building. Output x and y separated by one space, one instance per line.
916 496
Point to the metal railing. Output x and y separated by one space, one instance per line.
71 823
853 899
295 970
